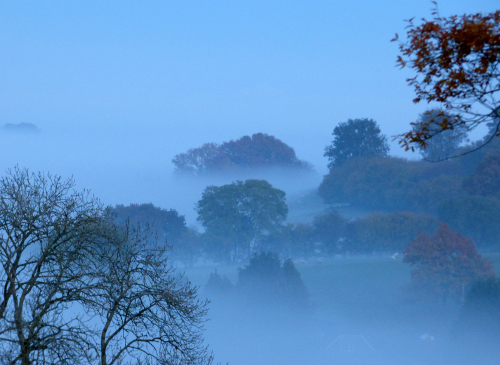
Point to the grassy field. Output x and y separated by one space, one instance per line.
350 296
341 285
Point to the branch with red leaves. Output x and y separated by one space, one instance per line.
457 64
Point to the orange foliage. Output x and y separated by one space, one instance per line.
457 63
445 263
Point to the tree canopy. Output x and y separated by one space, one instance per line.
444 264
237 215
356 138
265 280
259 150
457 63
168 223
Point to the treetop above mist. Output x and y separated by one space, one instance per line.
356 138
259 150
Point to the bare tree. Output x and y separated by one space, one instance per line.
147 313
45 230
76 289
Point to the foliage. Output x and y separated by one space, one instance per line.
259 150
265 280
386 233
392 184
457 64
356 138
291 240
329 229
486 178
168 225
473 216
429 190
444 264
376 183
444 143
239 215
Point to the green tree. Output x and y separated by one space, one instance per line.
238 215
356 138
444 264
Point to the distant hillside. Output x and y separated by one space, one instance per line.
22 128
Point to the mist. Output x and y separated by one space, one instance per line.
109 94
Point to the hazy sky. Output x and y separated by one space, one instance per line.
117 84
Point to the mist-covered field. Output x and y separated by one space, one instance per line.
359 315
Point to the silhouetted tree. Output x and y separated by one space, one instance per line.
356 138
60 253
144 311
218 285
266 281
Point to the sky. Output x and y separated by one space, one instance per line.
119 88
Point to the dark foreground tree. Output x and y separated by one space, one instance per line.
238 215
457 64
59 251
444 264
356 138
47 231
146 312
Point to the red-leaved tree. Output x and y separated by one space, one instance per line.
444 264
457 64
